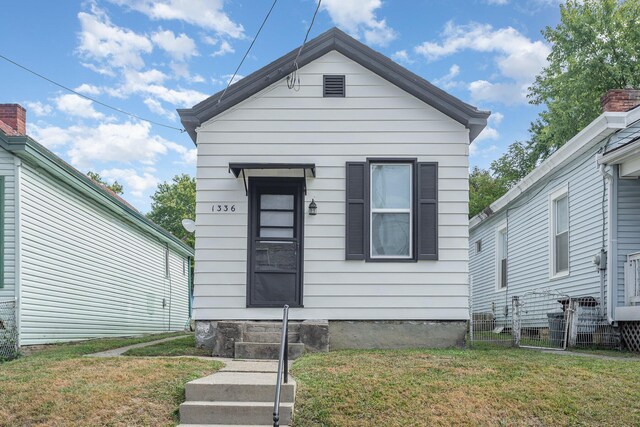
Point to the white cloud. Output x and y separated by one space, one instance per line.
208 14
488 133
133 182
358 17
402 56
497 2
225 47
78 106
110 142
156 107
180 47
39 109
518 58
448 80
108 44
88 89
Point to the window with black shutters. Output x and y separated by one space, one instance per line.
392 210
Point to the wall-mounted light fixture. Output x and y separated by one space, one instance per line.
313 208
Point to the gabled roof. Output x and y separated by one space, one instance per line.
26 148
473 119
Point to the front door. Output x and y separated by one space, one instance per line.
275 242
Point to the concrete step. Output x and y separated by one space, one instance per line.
269 337
257 350
233 413
239 387
269 327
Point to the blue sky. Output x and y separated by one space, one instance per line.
151 57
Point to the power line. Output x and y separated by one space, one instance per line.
248 50
90 98
293 78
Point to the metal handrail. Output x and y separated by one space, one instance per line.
283 365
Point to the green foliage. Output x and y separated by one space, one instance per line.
172 202
115 186
484 189
596 47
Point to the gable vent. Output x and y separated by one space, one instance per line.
333 86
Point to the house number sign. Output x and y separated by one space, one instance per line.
223 208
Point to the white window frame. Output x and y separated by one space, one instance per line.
373 210
554 196
500 230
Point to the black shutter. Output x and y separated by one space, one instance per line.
427 191
355 230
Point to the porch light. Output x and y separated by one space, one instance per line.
313 208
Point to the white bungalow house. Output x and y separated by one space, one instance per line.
343 194
572 225
76 259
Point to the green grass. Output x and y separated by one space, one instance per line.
494 387
57 386
185 346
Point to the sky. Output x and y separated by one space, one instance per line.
149 57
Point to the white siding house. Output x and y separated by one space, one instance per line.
386 143
584 199
78 260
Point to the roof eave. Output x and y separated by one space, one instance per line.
472 118
603 126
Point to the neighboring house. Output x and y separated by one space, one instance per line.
78 260
546 231
382 155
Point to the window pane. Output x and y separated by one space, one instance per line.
276 201
503 244
276 218
275 256
562 252
390 186
390 234
562 215
276 232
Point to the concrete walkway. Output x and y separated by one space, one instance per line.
116 352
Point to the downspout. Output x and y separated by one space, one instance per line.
612 238
17 220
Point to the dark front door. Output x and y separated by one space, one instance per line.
275 242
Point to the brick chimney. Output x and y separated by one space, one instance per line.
14 116
620 100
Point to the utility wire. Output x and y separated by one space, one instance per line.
293 79
90 98
248 50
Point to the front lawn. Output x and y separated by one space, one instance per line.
501 387
59 387
185 346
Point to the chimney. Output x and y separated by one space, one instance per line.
620 100
14 116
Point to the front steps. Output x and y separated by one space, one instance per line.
261 340
236 399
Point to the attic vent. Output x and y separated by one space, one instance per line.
333 86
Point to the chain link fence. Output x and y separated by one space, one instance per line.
8 331
543 318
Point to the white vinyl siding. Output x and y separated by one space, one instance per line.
375 119
7 171
89 273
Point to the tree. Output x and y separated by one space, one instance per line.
115 186
514 165
596 47
172 202
484 189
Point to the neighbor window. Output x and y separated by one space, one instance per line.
391 210
501 257
166 260
478 246
559 236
